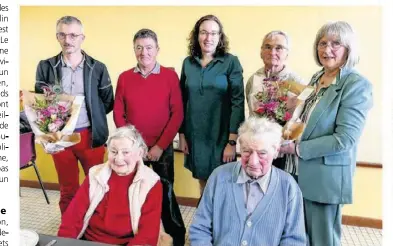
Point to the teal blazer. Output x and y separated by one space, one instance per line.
328 146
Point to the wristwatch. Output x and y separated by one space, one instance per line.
232 142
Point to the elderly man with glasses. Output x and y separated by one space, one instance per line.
274 54
250 202
74 72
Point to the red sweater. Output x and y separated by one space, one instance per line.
153 105
111 221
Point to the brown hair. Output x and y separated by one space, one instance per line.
194 49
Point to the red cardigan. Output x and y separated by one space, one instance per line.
111 221
153 105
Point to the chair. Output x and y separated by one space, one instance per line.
28 156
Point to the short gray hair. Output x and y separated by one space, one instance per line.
146 33
255 127
277 32
131 133
346 36
67 20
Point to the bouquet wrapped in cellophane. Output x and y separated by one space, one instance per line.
273 98
294 127
53 118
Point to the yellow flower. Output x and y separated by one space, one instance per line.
53 116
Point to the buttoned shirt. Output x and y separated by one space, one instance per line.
156 70
254 189
72 84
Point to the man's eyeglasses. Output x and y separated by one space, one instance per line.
206 33
334 45
278 48
62 35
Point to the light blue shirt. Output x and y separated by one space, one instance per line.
254 189
72 83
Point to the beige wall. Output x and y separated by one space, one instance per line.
109 32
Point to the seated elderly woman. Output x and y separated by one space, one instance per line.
274 54
120 201
251 202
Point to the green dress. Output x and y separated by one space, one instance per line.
213 100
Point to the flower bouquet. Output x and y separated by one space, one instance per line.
271 101
52 118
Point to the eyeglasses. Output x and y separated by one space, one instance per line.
140 48
206 33
334 45
62 35
278 48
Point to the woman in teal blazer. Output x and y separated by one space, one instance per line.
335 115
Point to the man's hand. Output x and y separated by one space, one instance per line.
229 153
183 144
154 153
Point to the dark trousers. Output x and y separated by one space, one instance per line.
280 163
170 215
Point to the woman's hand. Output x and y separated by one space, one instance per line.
229 153
288 148
183 144
291 103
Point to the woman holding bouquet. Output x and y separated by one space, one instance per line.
213 99
274 54
335 114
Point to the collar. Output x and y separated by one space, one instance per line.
217 58
156 70
65 64
279 74
263 181
342 72
103 172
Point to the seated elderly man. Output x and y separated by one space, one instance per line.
251 202
120 201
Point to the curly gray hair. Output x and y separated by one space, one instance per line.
131 133
255 127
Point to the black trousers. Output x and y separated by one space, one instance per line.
170 215
280 163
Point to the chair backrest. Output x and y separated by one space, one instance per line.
27 148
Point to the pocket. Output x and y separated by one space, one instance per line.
337 160
221 82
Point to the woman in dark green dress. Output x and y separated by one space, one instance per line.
213 98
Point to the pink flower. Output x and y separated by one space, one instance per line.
271 106
58 122
44 112
287 116
52 127
52 110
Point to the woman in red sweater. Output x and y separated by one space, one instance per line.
120 201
